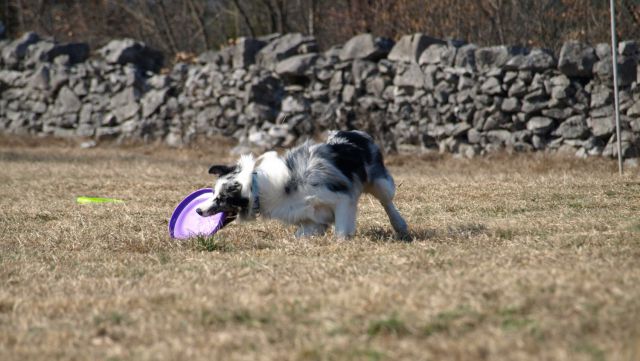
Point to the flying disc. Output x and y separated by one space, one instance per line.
88 200
186 223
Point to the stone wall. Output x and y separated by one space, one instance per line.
276 90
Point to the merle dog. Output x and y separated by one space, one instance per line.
311 186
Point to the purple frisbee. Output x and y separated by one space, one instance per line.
186 223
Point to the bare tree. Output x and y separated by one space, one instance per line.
196 25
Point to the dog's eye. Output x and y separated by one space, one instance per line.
233 187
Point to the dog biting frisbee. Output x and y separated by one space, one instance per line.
186 223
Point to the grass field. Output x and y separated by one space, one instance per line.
514 258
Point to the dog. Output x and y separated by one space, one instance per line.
312 186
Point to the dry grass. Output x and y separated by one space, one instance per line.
514 258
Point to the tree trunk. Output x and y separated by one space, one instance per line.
245 17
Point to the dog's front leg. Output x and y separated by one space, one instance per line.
309 229
345 218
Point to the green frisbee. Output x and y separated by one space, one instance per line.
89 200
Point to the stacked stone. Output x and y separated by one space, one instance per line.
278 90
54 89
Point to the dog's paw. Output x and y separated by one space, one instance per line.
404 236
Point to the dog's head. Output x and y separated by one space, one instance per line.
232 190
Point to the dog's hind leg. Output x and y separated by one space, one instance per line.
309 229
345 218
384 190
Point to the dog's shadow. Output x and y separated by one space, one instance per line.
379 235
420 234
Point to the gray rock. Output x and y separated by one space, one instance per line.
88 144
627 70
576 59
337 82
466 57
511 105
376 85
474 136
465 82
126 96
518 89
284 47
493 57
433 54
499 136
127 111
537 60
459 129
124 105
603 51
48 51
540 125
348 94
152 100
291 105
491 86
219 58
411 76
494 121
245 50
560 80
11 77
605 111
534 106
370 103
269 37
561 92
634 110
362 70
104 133
85 114
174 139
558 114
448 57
67 101
128 51
573 128
410 47
629 144
296 66
159 81
40 78
602 127
601 96
13 53
367 47
603 69
39 107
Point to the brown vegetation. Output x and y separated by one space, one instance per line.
197 25
520 258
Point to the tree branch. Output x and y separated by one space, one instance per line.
245 17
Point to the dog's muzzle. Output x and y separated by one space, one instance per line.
206 212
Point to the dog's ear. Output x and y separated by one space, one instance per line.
221 170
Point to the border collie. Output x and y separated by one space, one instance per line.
311 186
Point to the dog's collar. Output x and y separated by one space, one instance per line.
255 194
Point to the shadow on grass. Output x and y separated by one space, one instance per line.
379 234
418 234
